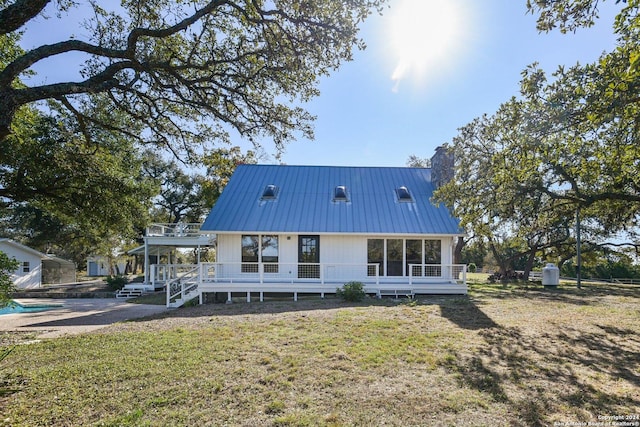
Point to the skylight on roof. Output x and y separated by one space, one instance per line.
270 192
340 194
403 194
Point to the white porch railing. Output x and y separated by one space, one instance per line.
329 273
265 273
185 282
161 274
456 273
319 273
180 229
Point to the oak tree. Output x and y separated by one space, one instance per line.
188 72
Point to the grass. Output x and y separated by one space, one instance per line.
504 355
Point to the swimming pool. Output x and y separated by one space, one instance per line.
16 307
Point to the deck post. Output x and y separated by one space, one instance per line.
261 296
229 301
168 294
147 279
248 296
411 275
295 296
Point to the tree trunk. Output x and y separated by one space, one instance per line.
529 265
502 263
135 264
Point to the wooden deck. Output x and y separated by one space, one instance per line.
188 282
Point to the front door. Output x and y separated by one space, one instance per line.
308 257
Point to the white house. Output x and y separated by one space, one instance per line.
36 268
310 229
29 272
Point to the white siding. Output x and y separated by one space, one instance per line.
334 249
289 249
448 246
229 248
345 249
22 279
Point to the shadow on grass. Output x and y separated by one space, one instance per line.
540 374
465 313
587 295
537 374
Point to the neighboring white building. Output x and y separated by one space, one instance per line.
98 265
29 272
35 267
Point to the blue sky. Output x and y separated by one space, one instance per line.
364 118
453 60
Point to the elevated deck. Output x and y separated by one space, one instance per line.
264 278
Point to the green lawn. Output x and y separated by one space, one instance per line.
504 355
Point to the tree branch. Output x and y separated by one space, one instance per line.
136 33
19 13
13 70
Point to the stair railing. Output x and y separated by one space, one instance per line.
179 288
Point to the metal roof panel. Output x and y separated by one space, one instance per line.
305 204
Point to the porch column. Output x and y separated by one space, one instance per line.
146 262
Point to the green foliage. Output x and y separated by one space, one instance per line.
189 197
84 196
607 265
352 292
220 164
564 14
175 77
116 283
7 267
472 268
568 143
188 73
180 197
275 407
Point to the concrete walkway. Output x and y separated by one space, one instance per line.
75 316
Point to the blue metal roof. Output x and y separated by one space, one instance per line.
305 202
